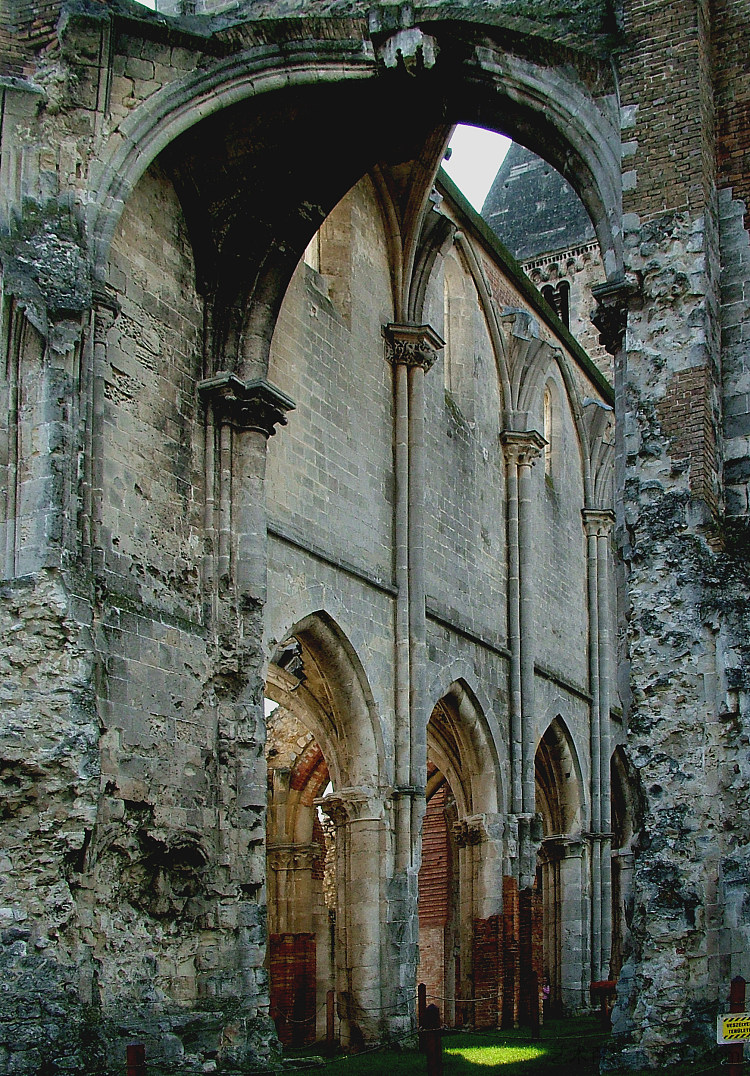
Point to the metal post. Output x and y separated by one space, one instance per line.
330 1012
736 1004
433 1041
421 1011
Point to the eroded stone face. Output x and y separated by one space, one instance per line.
49 777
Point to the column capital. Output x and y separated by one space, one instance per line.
522 447
611 314
351 805
286 857
246 405
468 831
412 345
598 522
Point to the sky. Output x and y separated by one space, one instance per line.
477 155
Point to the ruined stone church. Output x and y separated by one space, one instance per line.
371 616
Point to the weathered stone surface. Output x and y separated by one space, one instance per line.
451 602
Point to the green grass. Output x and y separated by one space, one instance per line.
569 1047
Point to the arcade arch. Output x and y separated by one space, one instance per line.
461 876
561 867
325 835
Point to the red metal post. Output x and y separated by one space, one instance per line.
736 1004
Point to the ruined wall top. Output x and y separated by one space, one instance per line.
28 27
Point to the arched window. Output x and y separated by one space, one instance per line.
559 299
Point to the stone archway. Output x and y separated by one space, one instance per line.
561 868
461 877
324 838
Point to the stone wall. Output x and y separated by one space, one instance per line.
134 516
673 506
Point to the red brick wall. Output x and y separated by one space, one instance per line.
511 952
487 961
435 872
731 49
292 971
531 954
685 413
27 28
665 72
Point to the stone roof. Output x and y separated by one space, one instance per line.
532 209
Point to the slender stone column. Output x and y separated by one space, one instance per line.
598 524
605 705
104 312
412 349
522 450
246 413
572 917
357 814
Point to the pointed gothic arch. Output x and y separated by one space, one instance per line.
561 865
321 845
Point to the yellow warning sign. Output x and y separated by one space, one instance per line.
733 1027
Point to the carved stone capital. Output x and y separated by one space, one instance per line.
292 857
412 345
598 522
350 805
560 846
613 299
469 831
246 405
523 449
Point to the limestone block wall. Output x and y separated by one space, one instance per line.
334 461
465 483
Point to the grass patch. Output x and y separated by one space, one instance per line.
569 1047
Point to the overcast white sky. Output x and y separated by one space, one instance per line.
477 155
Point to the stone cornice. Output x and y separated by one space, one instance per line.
246 405
412 345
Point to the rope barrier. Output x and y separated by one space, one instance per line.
348 1057
463 1001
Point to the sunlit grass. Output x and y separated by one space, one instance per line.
566 1048
493 1054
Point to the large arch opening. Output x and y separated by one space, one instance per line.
277 145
